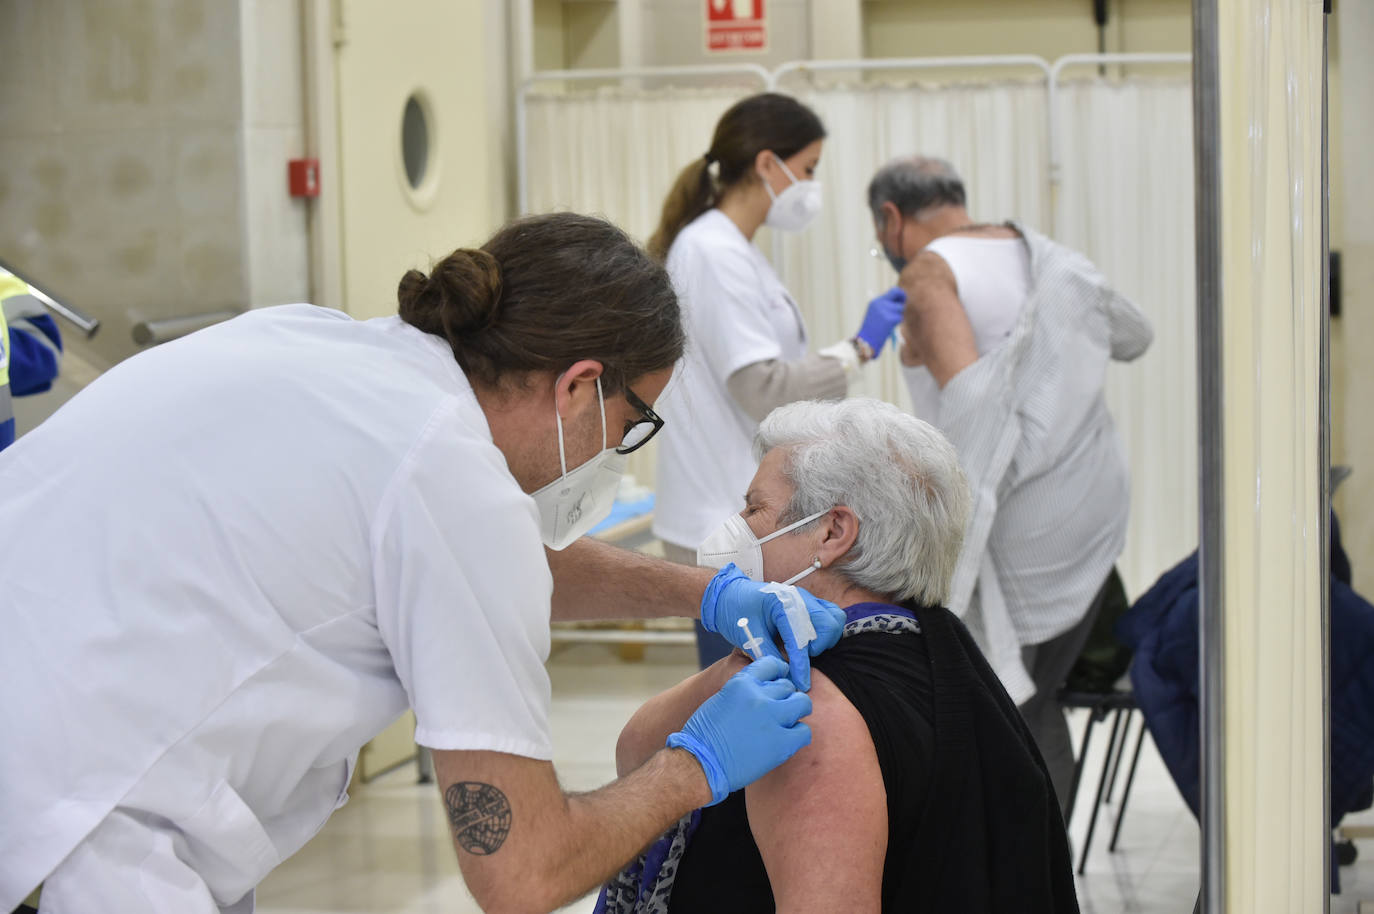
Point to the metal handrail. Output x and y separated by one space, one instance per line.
162 330
522 128
73 315
912 63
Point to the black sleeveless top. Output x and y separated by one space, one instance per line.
973 824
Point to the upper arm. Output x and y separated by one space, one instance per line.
762 387
1131 332
498 806
820 819
935 325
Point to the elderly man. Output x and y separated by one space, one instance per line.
1005 338
922 789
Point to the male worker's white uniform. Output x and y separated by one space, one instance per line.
229 563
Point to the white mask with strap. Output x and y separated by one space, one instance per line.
580 499
796 207
733 541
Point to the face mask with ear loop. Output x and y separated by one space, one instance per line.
897 260
798 204
733 541
577 501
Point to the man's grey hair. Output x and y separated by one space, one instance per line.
915 184
899 476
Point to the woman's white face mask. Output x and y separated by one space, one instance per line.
796 207
733 541
579 500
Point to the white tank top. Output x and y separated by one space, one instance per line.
992 276
993 279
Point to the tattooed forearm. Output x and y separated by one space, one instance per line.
480 816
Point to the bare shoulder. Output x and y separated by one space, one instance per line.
820 819
927 270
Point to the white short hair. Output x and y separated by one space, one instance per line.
899 476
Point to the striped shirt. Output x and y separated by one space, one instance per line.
1047 472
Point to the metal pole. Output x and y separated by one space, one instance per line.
1211 465
73 315
150 333
1324 466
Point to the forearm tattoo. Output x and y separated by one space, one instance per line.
480 815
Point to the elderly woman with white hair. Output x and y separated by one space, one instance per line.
922 789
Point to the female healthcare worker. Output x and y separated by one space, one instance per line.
747 343
233 559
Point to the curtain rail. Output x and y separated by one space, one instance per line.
769 80
522 92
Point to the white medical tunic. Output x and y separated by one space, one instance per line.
737 312
225 566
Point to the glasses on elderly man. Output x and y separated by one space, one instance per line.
638 432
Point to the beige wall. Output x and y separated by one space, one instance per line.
142 164
1047 28
591 34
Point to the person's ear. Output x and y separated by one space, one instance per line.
838 531
574 391
891 216
765 164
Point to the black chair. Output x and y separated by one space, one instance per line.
1120 705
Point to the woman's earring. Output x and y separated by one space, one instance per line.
816 563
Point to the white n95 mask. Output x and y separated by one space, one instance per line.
733 541
796 207
579 500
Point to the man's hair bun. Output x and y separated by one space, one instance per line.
460 297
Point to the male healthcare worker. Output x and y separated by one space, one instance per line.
275 535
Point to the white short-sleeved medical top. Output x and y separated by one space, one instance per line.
235 558
736 312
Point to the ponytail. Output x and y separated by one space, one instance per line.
693 194
770 121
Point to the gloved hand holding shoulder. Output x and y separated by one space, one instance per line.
748 728
732 596
883 315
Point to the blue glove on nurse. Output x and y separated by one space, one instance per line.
883 315
732 596
748 728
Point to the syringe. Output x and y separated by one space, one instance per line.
751 644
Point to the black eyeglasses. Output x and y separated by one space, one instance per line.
638 432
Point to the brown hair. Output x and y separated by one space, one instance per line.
766 121
544 292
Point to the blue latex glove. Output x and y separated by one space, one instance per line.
883 315
732 596
748 728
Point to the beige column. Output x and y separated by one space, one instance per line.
837 30
1268 790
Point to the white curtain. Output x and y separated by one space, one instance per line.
1125 201
617 152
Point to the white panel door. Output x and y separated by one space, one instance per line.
412 70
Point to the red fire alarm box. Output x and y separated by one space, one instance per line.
736 25
303 177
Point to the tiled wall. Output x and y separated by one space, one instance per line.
141 140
